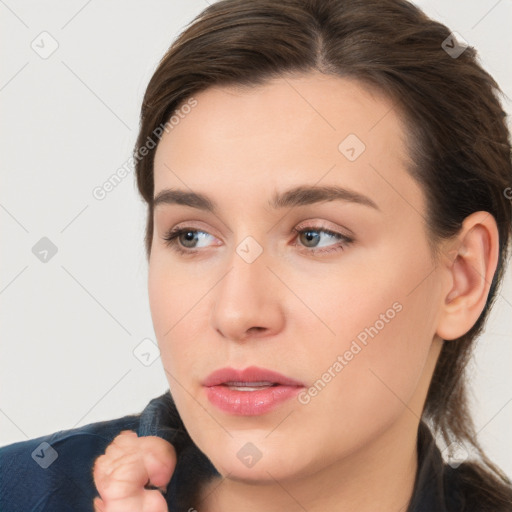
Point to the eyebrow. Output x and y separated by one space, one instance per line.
298 196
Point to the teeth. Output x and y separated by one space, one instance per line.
239 383
247 388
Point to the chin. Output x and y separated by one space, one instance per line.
260 474
255 462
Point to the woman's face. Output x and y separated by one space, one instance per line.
350 317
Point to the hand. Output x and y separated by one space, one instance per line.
129 465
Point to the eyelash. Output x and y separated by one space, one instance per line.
171 240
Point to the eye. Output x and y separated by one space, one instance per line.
309 236
174 237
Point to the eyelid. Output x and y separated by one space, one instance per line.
320 226
171 238
192 226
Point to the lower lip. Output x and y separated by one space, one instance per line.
250 403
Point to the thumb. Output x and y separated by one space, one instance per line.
160 461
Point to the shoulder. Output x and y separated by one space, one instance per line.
54 472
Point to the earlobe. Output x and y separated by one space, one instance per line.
469 266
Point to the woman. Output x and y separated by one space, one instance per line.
328 225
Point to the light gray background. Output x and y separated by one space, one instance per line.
70 325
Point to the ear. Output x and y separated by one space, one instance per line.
468 267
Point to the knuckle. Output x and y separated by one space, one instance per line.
124 440
128 471
111 449
126 436
100 464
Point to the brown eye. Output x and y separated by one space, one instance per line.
310 238
183 240
188 236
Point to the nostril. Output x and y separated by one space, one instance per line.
256 328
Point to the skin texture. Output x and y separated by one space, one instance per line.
353 445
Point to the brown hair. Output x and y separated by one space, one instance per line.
458 140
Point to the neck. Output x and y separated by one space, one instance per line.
379 476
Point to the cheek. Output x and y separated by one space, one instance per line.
384 331
160 297
166 310
177 303
171 293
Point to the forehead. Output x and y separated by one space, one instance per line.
310 128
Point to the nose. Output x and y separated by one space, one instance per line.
248 301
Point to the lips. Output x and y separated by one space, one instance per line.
253 375
250 392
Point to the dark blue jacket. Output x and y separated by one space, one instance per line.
53 473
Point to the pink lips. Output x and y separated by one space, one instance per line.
249 403
251 374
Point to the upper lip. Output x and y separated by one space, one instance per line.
250 374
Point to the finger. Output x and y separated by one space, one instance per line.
125 442
153 463
126 435
99 506
142 460
159 471
100 468
159 458
127 432
154 502
128 440
124 439
126 480
121 445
